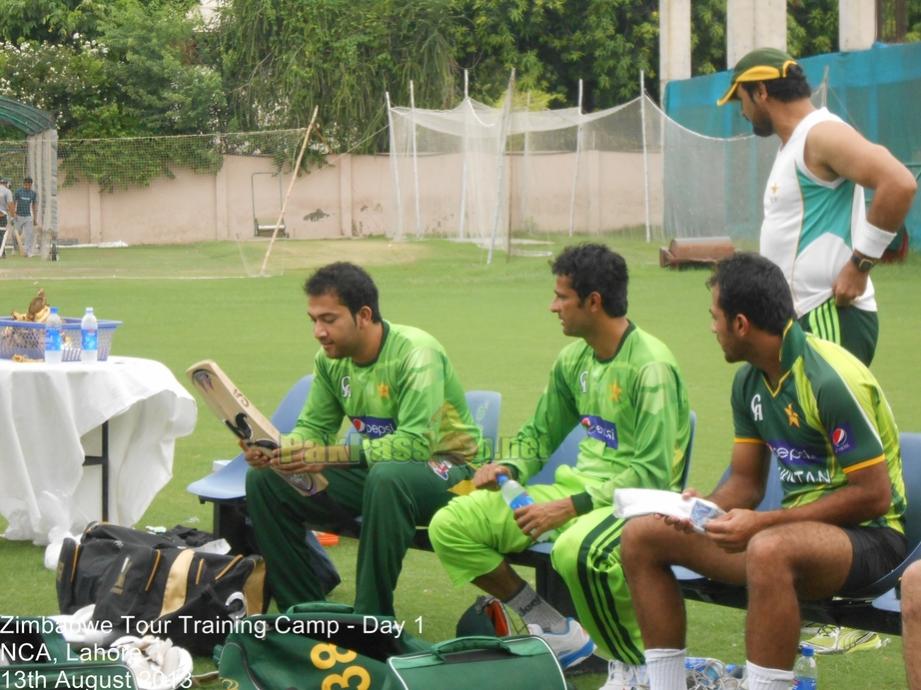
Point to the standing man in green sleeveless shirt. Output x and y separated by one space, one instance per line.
418 439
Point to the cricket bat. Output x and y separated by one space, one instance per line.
244 420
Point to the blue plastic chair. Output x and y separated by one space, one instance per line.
229 482
911 474
484 408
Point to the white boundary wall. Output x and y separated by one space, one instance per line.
351 197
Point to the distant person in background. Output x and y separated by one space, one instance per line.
816 225
911 624
26 202
6 203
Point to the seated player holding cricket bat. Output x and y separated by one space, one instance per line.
624 386
418 441
820 412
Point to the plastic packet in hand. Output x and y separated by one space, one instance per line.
702 511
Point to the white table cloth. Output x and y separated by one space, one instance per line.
50 419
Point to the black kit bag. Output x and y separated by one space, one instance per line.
144 583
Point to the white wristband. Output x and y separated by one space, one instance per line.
872 242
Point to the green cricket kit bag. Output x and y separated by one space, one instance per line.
330 647
480 663
315 645
34 654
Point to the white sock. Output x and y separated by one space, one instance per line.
666 669
761 678
534 609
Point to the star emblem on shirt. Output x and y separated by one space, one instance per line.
383 390
792 416
616 390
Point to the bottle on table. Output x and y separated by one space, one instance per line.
805 672
53 328
89 342
516 497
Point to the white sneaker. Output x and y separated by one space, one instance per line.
571 647
623 676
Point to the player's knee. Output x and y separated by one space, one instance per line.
385 478
257 482
767 558
911 592
440 527
561 556
642 536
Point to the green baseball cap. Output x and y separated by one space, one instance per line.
762 64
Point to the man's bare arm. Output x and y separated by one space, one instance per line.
834 149
744 488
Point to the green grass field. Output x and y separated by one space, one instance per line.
494 322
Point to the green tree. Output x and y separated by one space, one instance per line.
283 57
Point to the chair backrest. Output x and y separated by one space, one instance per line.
565 454
911 475
686 471
484 408
290 407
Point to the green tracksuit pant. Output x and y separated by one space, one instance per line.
472 532
392 498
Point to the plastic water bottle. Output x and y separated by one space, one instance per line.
516 497
706 672
89 329
805 673
53 326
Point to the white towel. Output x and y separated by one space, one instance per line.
629 503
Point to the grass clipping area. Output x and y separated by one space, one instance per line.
495 324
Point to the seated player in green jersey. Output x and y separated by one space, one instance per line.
418 440
624 386
820 412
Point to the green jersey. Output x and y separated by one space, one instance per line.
634 409
826 418
407 404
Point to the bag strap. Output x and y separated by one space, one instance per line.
320 607
467 644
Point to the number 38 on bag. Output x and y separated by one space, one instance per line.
326 656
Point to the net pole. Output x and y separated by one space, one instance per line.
462 211
575 176
645 154
412 111
395 168
525 189
284 204
500 172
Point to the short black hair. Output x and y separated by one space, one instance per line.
792 87
27 179
753 286
351 283
595 268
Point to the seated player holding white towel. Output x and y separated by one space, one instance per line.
824 417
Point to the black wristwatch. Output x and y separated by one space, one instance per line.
863 263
